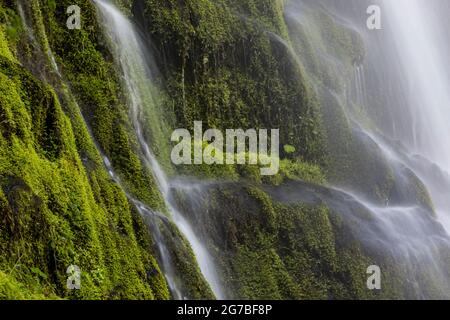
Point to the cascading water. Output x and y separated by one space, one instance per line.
129 53
412 25
420 40
413 46
413 141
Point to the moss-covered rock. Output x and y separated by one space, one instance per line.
56 212
52 214
231 64
224 64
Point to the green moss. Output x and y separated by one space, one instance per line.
297 170
224 69
10 29
10 289
54 215
4 48
62 184
82 57
288 149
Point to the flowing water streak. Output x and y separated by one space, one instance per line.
129 54
358 86
152 219
27 24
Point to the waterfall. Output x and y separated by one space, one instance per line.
130 55
391 104
405 78
419 34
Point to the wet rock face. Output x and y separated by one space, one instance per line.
231 64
